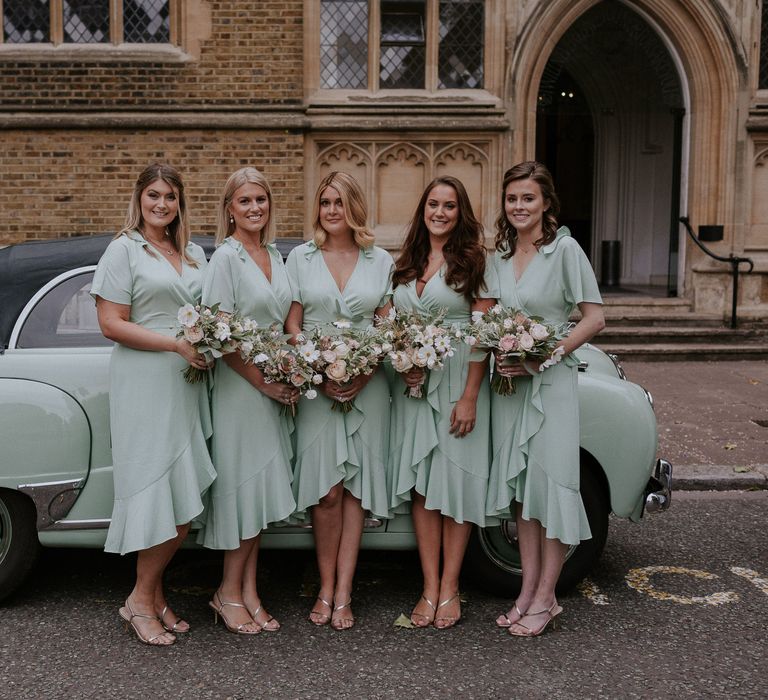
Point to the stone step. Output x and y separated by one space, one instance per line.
648 318
669 334
681 352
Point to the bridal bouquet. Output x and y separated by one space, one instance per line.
417 341
341 353
268 349
515 337
211 332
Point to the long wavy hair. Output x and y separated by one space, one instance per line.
506 234
178 230
225 227
355 209
464 252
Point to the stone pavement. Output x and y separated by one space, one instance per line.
712 419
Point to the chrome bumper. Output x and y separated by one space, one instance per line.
658 492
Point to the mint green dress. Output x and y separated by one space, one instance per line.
159 422
332 446
251 444
536 430
450 472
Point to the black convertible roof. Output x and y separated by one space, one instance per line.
26 267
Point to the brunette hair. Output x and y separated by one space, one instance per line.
506 235
178 229
355 209
224 226
463 251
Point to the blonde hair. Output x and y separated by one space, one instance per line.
355 209
178 229
224 226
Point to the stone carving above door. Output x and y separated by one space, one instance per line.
393 173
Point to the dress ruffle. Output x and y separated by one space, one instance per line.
534 466
180 486
351 448
451 473
252 452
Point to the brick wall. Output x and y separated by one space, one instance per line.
62 183
253 57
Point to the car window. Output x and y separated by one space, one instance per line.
64 318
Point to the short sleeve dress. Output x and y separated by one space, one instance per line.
450 472
159 422
332 446
251 444
536 430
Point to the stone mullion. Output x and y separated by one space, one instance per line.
433 44
174 14
116 21
374 44
57 22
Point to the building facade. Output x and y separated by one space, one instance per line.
645 111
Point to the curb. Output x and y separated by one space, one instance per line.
709 477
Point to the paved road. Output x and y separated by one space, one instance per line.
693 629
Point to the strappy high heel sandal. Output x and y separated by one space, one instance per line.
345 623
428 620
128 617
218 611
269 619
323 619
173 628
506 623
551 614
449 621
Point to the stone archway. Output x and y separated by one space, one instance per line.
610 98
711 67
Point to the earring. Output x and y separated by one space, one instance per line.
231 219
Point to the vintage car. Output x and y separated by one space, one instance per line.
56 466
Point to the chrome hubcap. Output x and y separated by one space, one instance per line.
6 531
500 545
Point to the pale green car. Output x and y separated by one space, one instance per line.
56 463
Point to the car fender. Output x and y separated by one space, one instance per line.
46 438
618 428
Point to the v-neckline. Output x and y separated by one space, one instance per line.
180 271
426 282
269 277
351 274
525 269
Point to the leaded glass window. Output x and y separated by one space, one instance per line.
344 43
26 21
460 58
87 21
402 44
146 22
763 79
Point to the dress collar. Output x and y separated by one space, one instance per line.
239 248
138 238
311 249
562 232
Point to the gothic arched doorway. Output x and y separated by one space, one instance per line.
609 125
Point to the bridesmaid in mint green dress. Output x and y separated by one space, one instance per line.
159 422
251 440
535 467
439 452
340 468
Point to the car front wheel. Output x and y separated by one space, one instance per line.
493 556
18 540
